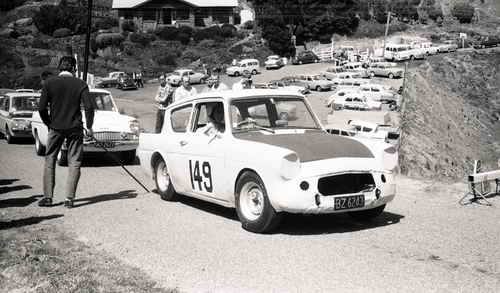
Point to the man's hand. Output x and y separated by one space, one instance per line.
89 133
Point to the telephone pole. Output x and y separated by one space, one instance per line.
87 41
386 30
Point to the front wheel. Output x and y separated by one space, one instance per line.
163 182
254 72
367 215
391 76
8 135
254 210
39 147
318 88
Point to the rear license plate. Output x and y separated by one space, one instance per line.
106 144
349 202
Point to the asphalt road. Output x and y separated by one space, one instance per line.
424 242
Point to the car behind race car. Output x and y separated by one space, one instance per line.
116 132
255 158
16 110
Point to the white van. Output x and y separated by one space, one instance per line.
400 52
250 65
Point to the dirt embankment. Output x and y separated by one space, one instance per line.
451 115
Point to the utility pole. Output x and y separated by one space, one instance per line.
386 30
87 41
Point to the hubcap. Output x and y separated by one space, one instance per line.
162 176
251 201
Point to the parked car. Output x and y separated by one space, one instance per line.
348 82
25 90
125 82
305 57
338 95
447 46
16 110
378 92
111 80
273 62
4 91
175 77
294 166
386 69
355 101
250 65
288 85
376 131
316 82
116 132
486 42
338 131
332 72
401 52
427 48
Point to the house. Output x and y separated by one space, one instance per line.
149 14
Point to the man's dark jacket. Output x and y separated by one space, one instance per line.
64 96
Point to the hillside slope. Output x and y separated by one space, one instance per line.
450 115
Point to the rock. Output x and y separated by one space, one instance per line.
5 33
61 33
24 21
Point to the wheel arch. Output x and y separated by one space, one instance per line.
242 171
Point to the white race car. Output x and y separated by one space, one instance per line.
114 131
265 164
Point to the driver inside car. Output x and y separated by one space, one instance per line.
216 122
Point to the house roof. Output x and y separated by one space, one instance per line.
118 4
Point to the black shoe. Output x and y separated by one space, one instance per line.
68 203
45 202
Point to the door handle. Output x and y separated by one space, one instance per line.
183 142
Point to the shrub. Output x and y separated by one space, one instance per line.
61 32
40 43
128 25
166 59
214 32
228 30
191 55
105 23
184 29
7 5
108 40
168 33
52 17
141 38
39 61
207 44
248 25
463 11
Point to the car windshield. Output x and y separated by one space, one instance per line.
25 103
103 101
270 114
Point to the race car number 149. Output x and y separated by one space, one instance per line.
202 177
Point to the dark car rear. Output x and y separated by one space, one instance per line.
305 57
126 83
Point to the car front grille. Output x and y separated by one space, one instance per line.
345 184
109 136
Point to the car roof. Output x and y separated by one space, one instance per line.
362 123
21 94
228 95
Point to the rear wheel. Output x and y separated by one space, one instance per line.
391 76
254 72
254 210
163 182
367 215
39 147
300 62
236 73
372 74
318 88
202 80
412 58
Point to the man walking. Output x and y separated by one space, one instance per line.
63 95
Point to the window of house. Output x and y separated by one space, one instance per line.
182 14
180 118
149 14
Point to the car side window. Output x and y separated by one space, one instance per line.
374 89
179 118
204 114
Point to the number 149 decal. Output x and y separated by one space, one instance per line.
203 182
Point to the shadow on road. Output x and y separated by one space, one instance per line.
208 207
295 224
18 202
104 160
125 194
7 189
27 221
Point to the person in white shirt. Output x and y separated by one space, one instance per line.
163 98
185 90
214 84
245 82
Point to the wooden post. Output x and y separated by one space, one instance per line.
87 41
386 31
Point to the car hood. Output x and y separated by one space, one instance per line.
312 145
110 121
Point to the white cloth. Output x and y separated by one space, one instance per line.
182 93
221 87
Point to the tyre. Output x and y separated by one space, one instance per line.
372 74
254 72
318 88
8 135
39 147
254 210
163 182
316 60
128 157
62 158
236 73
391 76
412 58
367 215
300 62
202 80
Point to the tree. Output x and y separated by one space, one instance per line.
463 12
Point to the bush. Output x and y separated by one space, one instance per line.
39 61
191 55
108 40
168 33
228 30
213 32
128 25
141 38
463 12
206 44
52 17
105 23
61 32
7 5
248 25
166 59
40 43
